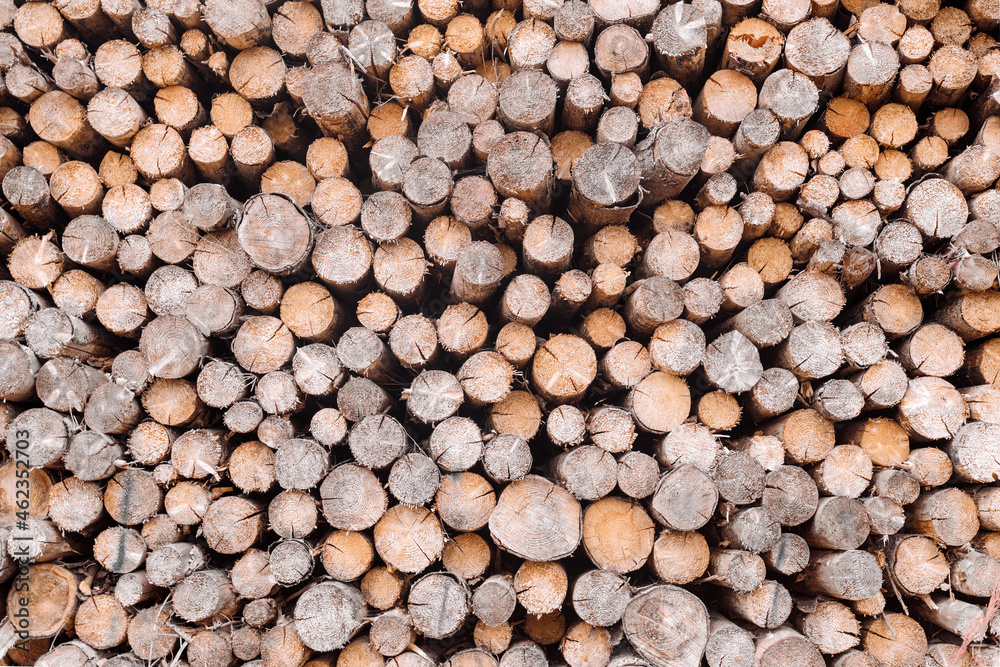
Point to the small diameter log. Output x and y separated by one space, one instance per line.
637 474
495 599
508 457
728 643
955 616
102 622
789 556
738 570
541 587
766 607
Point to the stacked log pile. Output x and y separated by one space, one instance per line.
389 332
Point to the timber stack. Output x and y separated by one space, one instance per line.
499 333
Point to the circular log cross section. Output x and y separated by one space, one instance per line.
536 520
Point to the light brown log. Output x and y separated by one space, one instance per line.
521 535
232 524
668 393
251 467
785 646
53 601
150 442
831 626
414 342
382 588
465 500
895 639
752 47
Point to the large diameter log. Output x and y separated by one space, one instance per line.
336 100
605 185
670 157
563 369
438 604
48 599
668 626
328 614
520 165
536 520
275 233
895 639
974 452
685 499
